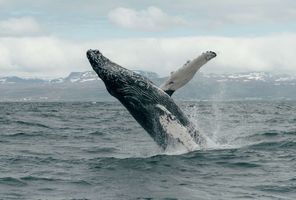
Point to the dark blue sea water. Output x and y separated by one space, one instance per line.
98 151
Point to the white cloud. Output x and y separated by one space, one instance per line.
151 19
53 57
211 13
40 56
3 1
273 53
23 26
236 12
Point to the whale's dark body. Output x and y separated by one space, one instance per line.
152 108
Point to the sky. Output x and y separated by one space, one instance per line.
49 38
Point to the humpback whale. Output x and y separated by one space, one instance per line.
152 107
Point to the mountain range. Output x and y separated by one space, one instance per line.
87 86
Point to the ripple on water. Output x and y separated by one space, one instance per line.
12 181
23 135
32 124
100 150
285 144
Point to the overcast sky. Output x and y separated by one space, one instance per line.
49 38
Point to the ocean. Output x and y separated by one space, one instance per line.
96 150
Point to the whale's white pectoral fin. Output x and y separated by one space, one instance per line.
184 74
175 130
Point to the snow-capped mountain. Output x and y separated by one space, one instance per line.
81 77
74 77
254 77
87 86
88 76
18 80
78 77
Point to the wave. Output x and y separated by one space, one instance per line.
285 144
12 181
22 134
276 188
101 150
97 133
35 178
262 136
239 164
47 179
198 157
32 124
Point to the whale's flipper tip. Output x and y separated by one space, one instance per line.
209 55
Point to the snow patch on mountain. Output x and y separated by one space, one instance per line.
90 76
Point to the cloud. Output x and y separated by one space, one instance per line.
217 13
54 57
40 56
24 26
3 1
137 15
272 53
151 19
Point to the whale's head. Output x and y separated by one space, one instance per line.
99 63
116 78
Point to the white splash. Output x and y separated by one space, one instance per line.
176 131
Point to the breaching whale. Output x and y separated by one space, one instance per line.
152 107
